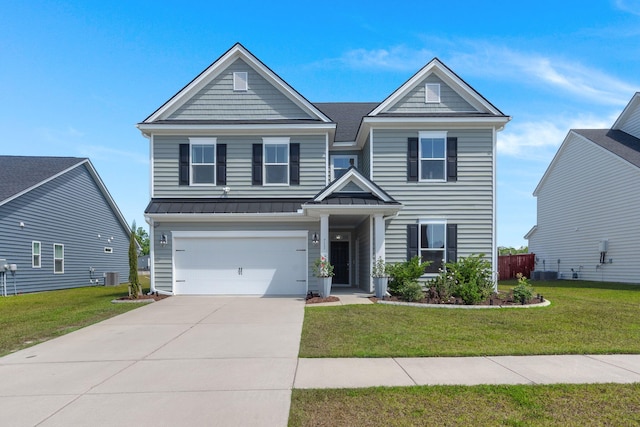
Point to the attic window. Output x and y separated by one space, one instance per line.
240 81
432 92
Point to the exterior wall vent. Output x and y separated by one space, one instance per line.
240 81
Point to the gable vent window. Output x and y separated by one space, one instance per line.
432 91
240 81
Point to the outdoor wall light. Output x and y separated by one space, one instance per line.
163 240
314 239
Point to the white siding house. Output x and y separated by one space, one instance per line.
588 204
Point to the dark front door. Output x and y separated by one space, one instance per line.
339 257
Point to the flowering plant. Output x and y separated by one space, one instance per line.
379 268
322 267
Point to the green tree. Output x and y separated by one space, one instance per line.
504 250
143 240
135 289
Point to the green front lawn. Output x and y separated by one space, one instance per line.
549 405
584 318
28 319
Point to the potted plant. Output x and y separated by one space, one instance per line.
323 269
380 277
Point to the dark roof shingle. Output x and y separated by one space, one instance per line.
616 141
347 116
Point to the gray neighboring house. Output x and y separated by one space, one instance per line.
59 224
251 182
588 204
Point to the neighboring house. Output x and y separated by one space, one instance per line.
588 223
251 182
58 224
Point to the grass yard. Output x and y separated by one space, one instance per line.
551 405
28 319
584 318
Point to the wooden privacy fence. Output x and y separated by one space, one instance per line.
510 265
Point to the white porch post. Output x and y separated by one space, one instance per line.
378 230
324 235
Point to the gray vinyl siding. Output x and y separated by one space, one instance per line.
218 101
69 210
414 101
588 195
239 157
162 256
365 166
467 202
363 235
632 124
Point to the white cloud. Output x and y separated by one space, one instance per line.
539 140
95 152
396 58
630 6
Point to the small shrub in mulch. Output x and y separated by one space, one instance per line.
316 298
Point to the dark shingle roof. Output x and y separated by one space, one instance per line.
19 173
353 199
616 141
347 116
223 206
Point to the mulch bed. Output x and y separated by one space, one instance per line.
316 298
156 297
499 299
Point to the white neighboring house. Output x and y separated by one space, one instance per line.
588 215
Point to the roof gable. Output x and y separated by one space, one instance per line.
629 119
456 95
215 84
353 182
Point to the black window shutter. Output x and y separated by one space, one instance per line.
412 159
412 240
183 169
452 159
294 164
452 242
221 164
256 165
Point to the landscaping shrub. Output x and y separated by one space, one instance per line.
523 290
442 285
412 291
469 278
402 273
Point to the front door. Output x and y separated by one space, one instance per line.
339 257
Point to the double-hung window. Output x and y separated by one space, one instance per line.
276 161
432 244
58 258
341 163
35 254
203 161
433 152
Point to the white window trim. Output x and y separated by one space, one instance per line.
203 141
240 81
426 93
55 259
274 141
342 156
432 134
39 254
444 249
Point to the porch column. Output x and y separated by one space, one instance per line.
324 235
378 233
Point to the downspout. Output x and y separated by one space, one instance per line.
494 231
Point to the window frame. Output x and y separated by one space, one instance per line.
342 156
268 141
426 93
432 135
203 142
58 259
34 254
443 250
240 84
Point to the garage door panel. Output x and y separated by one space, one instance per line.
255 266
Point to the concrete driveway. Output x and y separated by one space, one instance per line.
188 361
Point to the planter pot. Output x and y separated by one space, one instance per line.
325 286
380 284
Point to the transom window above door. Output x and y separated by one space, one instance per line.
341 163
203 161
433 148
276 161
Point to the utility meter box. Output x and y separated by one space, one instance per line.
13 267
603 245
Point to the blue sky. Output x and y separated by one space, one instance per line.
75 77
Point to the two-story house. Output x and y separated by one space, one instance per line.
251 182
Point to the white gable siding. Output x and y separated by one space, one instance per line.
414 101
589 195
467 202
218 100
632 124
239 152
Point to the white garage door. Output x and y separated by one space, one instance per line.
225 264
